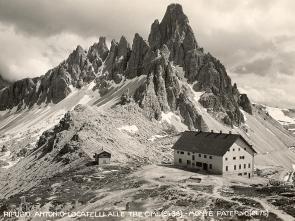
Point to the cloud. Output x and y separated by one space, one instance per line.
276 90
30 57
278 59
259 66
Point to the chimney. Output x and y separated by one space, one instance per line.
220 132
212 131
229 132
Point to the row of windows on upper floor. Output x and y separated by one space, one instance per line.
238 149
193 156
205 156
234 158
240 166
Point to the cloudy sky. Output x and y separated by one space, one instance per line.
255 39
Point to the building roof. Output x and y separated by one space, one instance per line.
207 142
102 151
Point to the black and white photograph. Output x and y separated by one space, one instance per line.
120 110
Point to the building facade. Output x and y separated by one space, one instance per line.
216 153
102 157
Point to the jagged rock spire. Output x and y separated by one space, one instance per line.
98 50
174 31
139 50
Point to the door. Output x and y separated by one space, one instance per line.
205 166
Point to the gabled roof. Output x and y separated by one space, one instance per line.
207 142
101 152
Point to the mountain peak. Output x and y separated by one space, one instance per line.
174 30
175 12
98 50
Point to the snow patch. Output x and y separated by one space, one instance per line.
84 100
244 115
6 158
278 115
169 117
38 85
157 136
131 129
197 95
91 85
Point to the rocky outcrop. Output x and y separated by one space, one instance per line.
245 103
148 100
19 93
116 62
189 113
97 53
98 50
136 61
202 69
56 84
175 32
3 83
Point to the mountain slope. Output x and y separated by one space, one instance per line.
286 117
78 135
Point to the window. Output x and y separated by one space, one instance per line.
234 158
240 174
242 157
200 155
193 164
245 148
193 157
180 161
244 166
226 168
235 167
181 152
240 166
205 156
245 173
188 162
233 149
226 158
249 165
188 153
210 166
239 149
198 164
210 157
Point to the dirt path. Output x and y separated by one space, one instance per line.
284 216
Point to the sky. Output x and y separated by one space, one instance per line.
254 39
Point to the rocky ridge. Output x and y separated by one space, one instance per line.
3 83
171 59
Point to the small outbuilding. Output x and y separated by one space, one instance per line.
102 157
